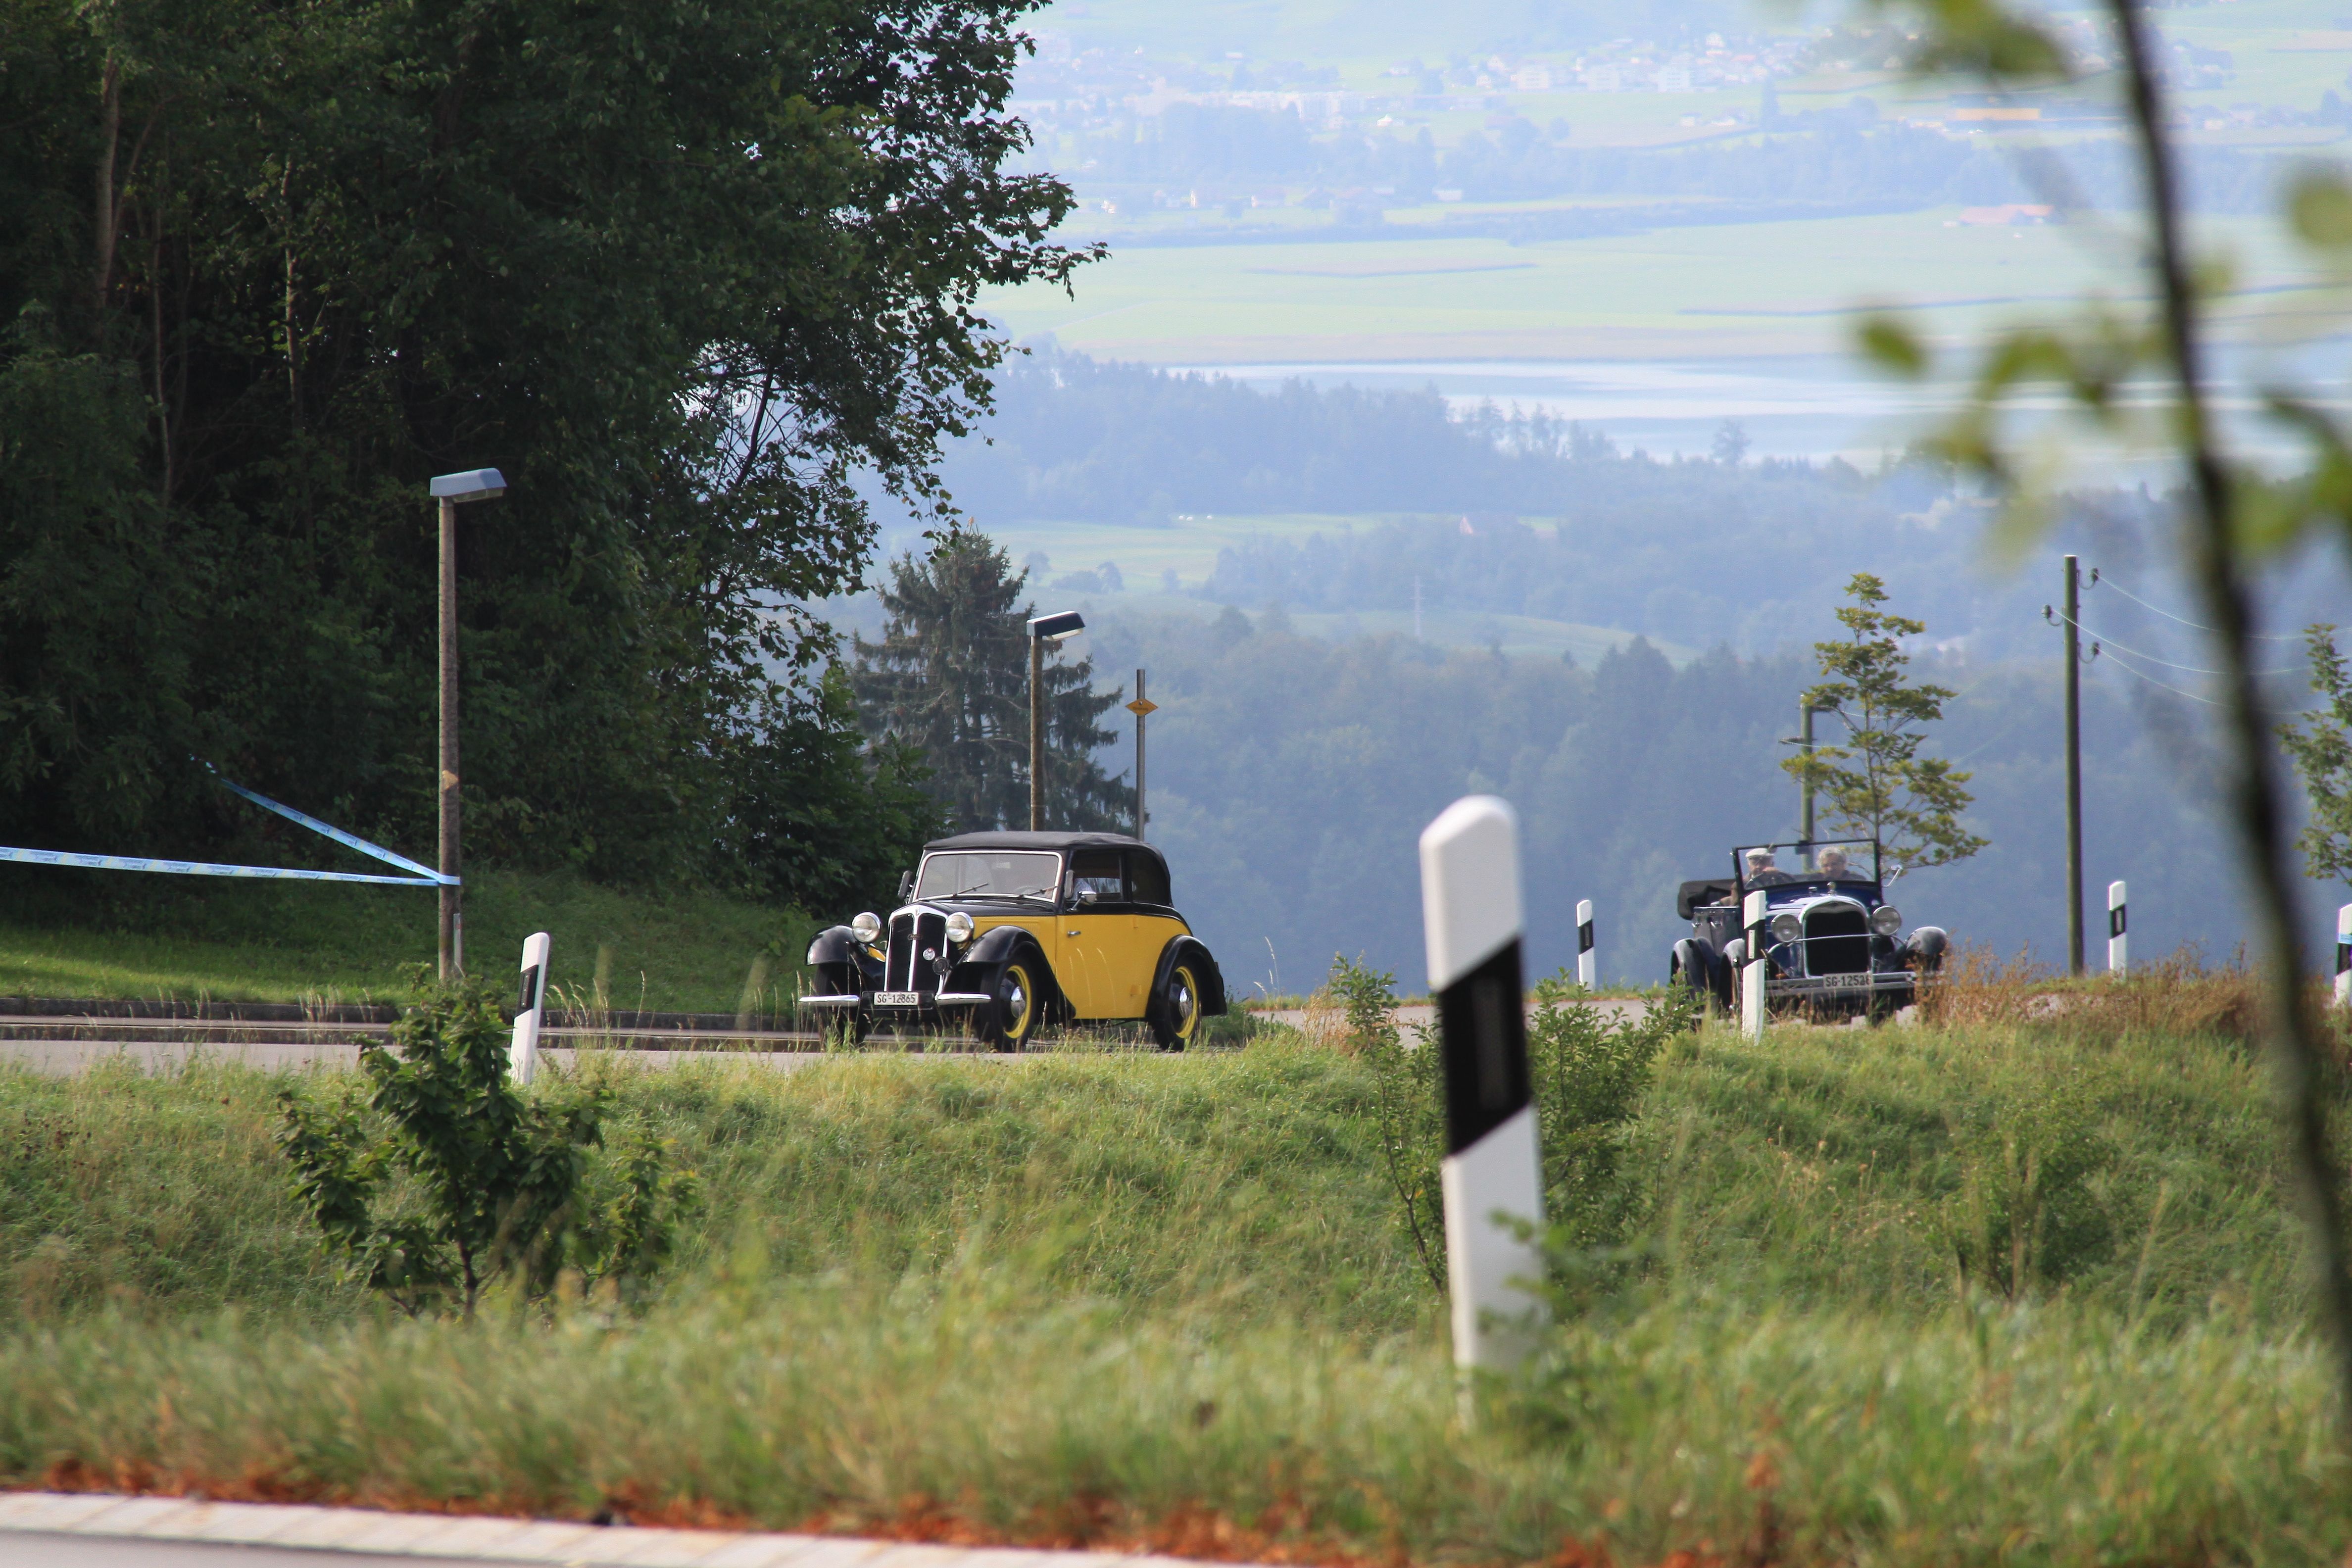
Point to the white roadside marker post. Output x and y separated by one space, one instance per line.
2344 956
2118 930
1588 963
522 1057
1492 1176
1756 966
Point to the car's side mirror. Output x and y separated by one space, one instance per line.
1089 896
1893 871
905 885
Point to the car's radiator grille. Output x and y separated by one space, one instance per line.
912 930
1837 941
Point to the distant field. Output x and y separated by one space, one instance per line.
1714 292
1145 556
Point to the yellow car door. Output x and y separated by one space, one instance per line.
1119 924
1093 911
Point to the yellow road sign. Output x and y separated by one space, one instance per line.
1141 706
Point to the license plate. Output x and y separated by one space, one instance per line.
897 998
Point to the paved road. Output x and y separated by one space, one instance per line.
298 1047
1417 1015
75 1551
71 1530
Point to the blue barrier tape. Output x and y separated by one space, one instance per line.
423 877
349 841
203 868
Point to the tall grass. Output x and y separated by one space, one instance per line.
1134 1299
965 1406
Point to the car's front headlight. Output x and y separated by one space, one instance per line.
1886 920
1786 926
959 927
867 926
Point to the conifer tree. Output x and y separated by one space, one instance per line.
950 676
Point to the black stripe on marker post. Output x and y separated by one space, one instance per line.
2115 920
1484 1026
1584 937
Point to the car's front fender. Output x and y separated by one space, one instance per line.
1205 969
994 949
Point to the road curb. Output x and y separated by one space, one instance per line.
476 1538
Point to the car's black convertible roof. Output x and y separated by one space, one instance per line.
1706 891
1011 840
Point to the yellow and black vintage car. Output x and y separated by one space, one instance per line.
1009 933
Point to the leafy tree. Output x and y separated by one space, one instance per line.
823 819
2323 754
1877 785
678 269
2231 521
448 1180
951 678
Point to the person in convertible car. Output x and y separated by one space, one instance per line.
1761 872
1834 865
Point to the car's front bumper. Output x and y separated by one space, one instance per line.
901 1003
1875 987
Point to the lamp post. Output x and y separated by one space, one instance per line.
1056 628
450 491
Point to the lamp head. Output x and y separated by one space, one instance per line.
1059 627
475 484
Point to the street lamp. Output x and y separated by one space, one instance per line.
449 490
1042 629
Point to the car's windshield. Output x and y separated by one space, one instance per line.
989 874
1823 859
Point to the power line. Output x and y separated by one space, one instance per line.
2168 614
2176 690
2107 641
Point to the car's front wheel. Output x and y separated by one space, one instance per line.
1010 1019
1176 1010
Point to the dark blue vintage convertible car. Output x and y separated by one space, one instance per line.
1834 943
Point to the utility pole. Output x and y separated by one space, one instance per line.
2073 771
1805 738
1142 707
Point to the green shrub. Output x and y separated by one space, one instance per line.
448 1180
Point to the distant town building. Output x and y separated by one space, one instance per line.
2014 213
1674 78
1532 78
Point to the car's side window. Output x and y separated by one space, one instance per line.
1095 876
1146 878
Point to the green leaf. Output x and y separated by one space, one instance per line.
1893 345
2319 205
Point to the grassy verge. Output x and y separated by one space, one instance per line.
1143 1300
94 933
966 1407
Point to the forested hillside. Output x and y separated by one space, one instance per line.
1290 779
